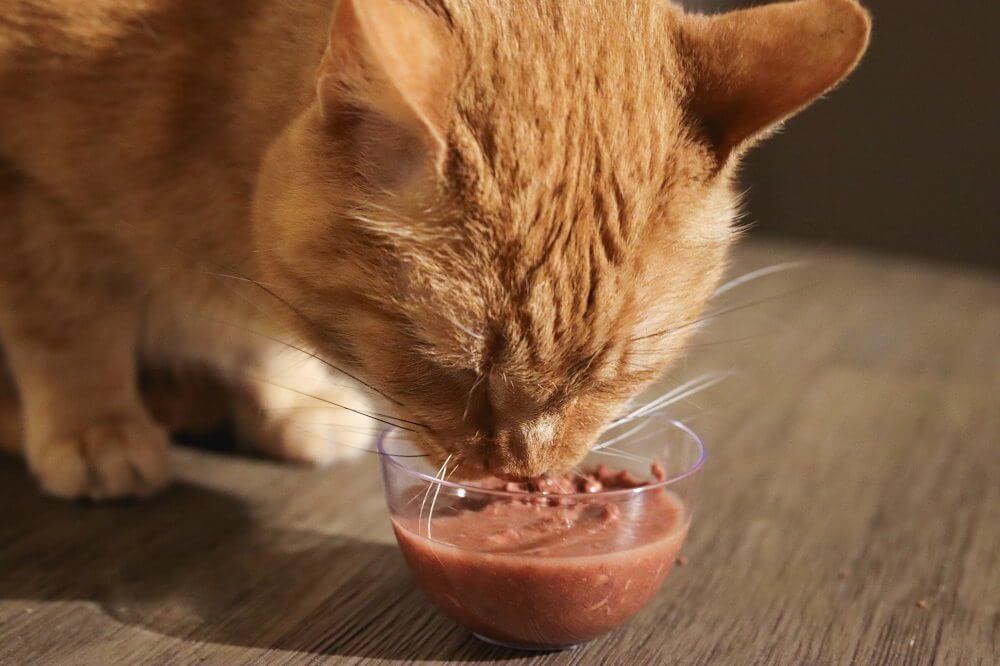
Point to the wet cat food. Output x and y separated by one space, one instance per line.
543 564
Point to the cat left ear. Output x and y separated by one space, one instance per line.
753 68
385 79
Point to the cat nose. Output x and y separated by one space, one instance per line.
523 450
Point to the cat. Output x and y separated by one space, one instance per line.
490 222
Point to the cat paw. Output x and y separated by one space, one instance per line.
110 460
307 417
322 438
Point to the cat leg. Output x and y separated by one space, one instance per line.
86 431
68 327
293 408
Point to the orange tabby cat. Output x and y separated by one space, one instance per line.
497 215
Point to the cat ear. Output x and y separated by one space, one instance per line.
754 68
384 81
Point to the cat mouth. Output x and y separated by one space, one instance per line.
512 478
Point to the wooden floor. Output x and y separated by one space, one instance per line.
850 512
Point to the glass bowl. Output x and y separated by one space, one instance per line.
544 571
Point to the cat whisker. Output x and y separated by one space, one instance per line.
437 492
293 408
701 414
708 344
232 274
288 345
304 319
344 427
618 438
626 455
616 454
427 494
685 390
470 332
468 401
304 427
306 408
715 315
684 395
381 419
757 274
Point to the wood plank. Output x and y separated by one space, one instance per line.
861 433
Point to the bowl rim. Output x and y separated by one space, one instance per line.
392 460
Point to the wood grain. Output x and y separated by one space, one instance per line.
854 467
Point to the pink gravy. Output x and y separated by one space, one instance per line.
548 571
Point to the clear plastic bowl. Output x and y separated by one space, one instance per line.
542 571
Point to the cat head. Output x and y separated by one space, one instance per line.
505 216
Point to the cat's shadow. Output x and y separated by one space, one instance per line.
193 564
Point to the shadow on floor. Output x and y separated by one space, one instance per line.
194 564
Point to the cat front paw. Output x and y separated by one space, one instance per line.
307 429
304 441
109 460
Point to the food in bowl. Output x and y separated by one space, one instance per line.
547 563
546 572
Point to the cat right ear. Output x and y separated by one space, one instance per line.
384 85
753 68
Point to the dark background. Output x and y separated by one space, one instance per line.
902 157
